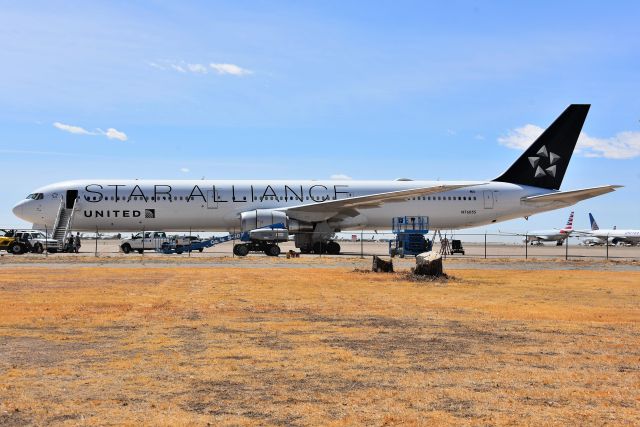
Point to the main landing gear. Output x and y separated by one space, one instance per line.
330 247
243 249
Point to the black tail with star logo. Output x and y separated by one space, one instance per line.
546 160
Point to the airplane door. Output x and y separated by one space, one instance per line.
72 195
488 199
211 204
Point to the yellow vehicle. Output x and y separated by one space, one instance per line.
10 244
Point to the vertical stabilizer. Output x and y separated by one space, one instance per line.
594 224
545 162
569 225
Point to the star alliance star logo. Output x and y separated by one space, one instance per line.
536 163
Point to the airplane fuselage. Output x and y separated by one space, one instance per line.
615 235
212 205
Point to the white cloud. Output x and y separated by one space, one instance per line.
156 65
196 68
230 69
72 129
110 133
340 177
623 145
185 170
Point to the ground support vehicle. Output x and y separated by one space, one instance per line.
150 241
410 236
456 247
18 242
177 245
264 239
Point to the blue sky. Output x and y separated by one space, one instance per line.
246 89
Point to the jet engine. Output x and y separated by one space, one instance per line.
270 224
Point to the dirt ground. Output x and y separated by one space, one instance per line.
190 345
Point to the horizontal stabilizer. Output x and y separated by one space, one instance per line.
572 196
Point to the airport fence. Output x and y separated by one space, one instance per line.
364 243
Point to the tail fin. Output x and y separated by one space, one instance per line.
569 225
594 224
544 163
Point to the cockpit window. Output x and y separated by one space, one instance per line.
35 196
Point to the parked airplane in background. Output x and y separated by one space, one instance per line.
315 210
556 235
612 236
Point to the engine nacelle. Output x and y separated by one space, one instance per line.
270 224
261 218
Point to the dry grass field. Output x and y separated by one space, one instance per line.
197 346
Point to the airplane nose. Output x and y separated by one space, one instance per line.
18 210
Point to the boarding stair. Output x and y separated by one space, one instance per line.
63 224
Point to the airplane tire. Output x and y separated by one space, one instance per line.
319 248
38 248
179 249
140 251
272 250
126 248
241 249
200 249
333 248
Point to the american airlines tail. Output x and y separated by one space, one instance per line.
594 224
569 226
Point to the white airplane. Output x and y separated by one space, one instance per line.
611 236
556 235
267 211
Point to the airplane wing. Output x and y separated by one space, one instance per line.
571 197
322 211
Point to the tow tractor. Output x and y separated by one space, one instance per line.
9 243
410 234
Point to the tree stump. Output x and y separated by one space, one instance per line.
429 264
381 266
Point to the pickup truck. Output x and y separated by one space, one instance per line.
150 241
38 240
